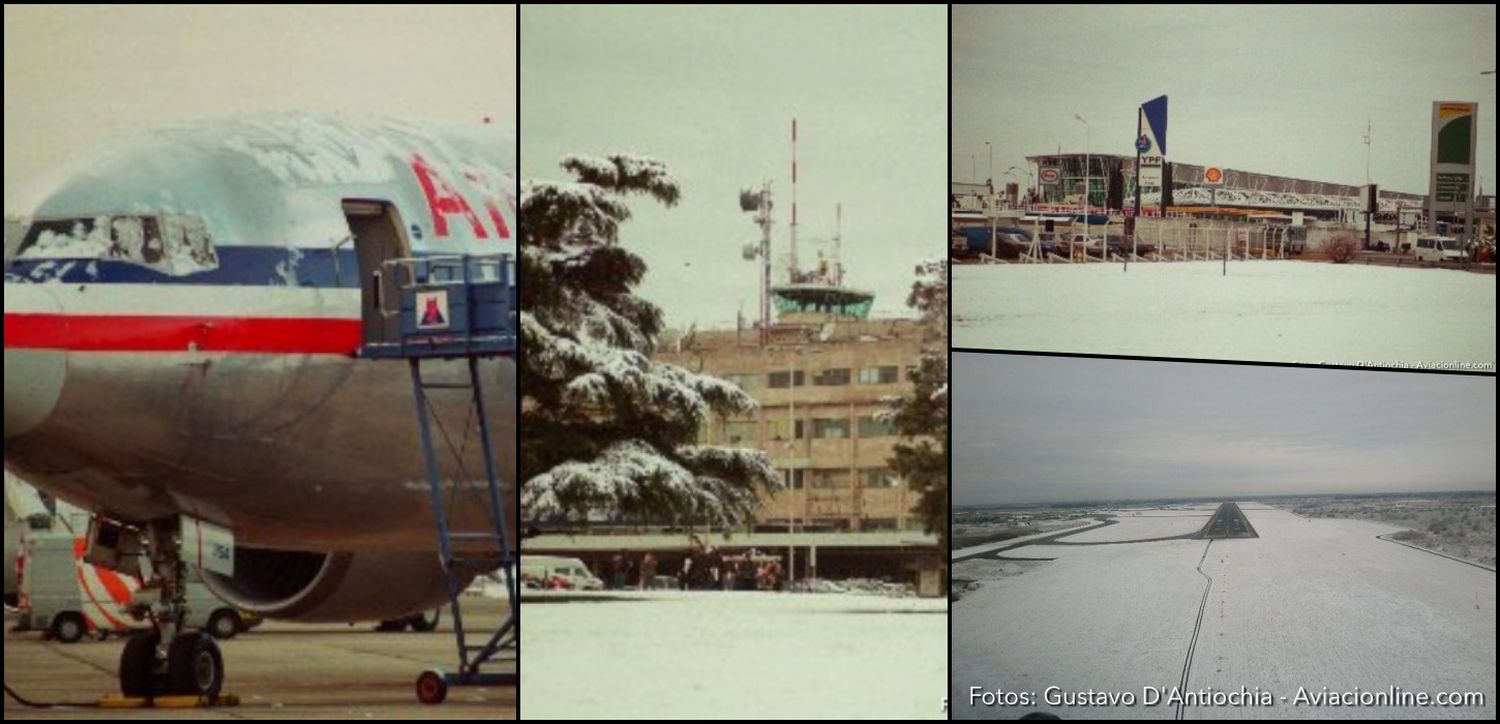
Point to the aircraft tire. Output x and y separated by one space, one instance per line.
194 666
136 662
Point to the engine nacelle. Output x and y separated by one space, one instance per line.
332 587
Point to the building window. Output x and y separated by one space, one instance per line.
878 478
783 380
746 382
879 375
829 478
831 427
832 378
878 524
875 426
795 478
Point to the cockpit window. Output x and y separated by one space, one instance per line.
173 244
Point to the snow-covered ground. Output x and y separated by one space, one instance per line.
1330 605
746 655
1270 311
1142 527
985 547
1311 603
1109 618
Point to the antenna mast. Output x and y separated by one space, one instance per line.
838 244
792 253
1367 150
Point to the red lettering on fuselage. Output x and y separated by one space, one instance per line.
491 204
444 200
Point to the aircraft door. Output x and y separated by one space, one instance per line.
379 237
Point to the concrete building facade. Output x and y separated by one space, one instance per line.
822 383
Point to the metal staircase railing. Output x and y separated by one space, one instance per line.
460 308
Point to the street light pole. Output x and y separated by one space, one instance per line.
991 149
1027 171
1103 251
791 548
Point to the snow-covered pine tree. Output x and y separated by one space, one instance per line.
605 430
923 414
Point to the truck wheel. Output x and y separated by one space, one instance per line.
194 666
137 680
68 627
428 621
224 624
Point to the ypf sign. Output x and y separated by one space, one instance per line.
1454 134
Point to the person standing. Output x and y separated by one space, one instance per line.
618 569
648 570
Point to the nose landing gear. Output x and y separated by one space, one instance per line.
166 660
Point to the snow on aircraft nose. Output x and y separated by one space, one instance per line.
33 373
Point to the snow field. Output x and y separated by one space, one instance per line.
745 655
984 547
1282 311
1310 603
1111 618
1142 527
1322 602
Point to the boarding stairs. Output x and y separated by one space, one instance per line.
460 308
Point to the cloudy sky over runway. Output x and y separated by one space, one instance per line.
1039 429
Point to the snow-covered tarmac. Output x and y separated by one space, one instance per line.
1279 311
744 655
1144 526
1310 603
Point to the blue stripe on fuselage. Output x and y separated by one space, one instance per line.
255 266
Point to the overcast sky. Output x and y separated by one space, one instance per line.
1279 90
1043 429
76 77
711 91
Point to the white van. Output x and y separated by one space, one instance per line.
1431 247
572 573
67 598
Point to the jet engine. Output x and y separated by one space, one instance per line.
314 587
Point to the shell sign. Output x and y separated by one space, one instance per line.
1214 176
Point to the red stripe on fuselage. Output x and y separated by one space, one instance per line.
123 333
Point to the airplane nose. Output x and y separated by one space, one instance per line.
33 375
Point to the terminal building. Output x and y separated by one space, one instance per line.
1111 184
1111 187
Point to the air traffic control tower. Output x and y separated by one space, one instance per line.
809 301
